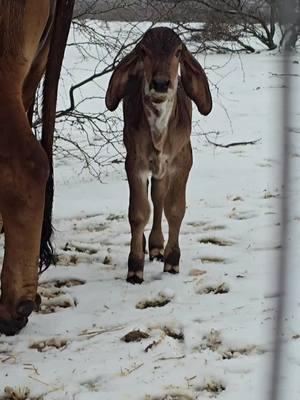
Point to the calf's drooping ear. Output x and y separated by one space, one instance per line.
195 82
119 79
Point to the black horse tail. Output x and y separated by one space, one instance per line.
61 27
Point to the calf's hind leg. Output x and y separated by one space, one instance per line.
23 177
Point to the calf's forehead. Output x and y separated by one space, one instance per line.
161 41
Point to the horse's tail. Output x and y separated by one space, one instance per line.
61 27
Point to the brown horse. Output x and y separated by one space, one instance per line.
33 35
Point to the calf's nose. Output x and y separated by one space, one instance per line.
160 85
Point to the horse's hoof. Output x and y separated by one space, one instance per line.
12 327
25 308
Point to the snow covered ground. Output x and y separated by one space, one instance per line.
210 334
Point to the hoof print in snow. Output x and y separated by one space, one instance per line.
116 217
161 300
241 215
45 345
72 254
20 393
54 298
197 272
296 337
214 228
172 396
236 198
107 260
65 282
213 388
212 260
211 341
223 288
175 334
52 305
135 336
80 248
230 353
216 241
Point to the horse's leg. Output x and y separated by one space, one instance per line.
23 176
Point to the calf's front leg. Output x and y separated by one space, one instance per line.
159 189
139 212
174 208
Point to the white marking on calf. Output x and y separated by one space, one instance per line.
158 164
159 123
144 176
159 107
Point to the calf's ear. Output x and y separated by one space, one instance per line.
194 81
118 82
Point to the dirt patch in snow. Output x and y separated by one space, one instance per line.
135 336
159 301
222 288
171 396
19 393
212 260
53 343
63 282
214 388
216 241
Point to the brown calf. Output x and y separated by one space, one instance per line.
157 127
33 36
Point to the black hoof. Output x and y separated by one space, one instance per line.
25 308
12 327
38 302
156 254
158 257
135 270
171 269
135 278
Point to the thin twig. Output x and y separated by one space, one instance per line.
131 370
170 358
226 146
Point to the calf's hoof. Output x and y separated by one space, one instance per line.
156 254
171 269
135 269
135 277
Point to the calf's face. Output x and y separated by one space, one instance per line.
160 52
157 57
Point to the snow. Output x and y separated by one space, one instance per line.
213 337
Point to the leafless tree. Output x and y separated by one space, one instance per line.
290 28
85 130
